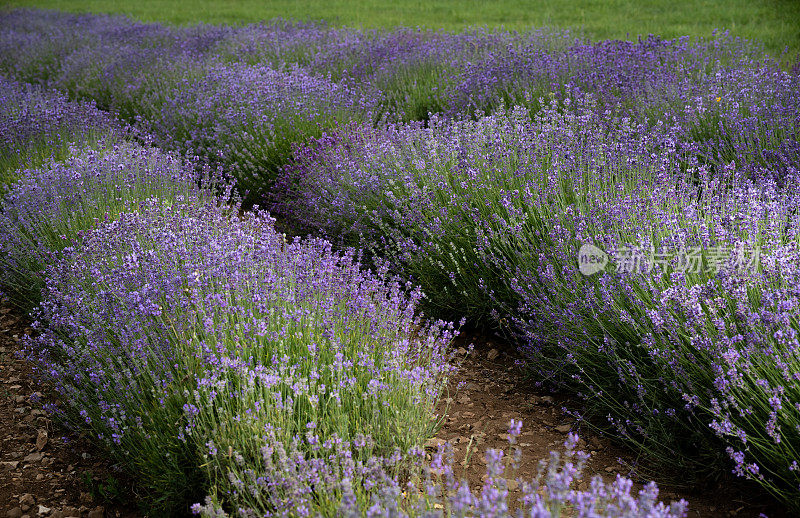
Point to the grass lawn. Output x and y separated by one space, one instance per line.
775 22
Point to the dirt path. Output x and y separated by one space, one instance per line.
43 473
493 392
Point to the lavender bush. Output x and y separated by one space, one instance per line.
659 145
37 126
144 71
489 216
50 207
436 200
435 491
200 331
246 118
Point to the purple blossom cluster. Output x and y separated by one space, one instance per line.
180 328
209 355
247 117
143 72
488 216
434 490
213 356
38 125
51 206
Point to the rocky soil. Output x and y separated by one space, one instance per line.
44 471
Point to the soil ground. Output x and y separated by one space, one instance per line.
43 470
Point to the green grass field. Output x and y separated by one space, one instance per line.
775 22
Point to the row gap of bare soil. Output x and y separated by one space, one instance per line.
47 471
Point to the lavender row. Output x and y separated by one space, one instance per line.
51 206
210 356
694 366
241 97
38 125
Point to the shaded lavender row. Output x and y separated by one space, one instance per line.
218 92
38 125
49 207
695 369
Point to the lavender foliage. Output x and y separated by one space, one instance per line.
522 147
37 126
434 490
51 206
144 71
180 329
489 217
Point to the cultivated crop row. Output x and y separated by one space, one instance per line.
226 368
626 211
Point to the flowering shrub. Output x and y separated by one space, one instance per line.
50 207
38 125
488 217
254 91
246 117
436 492
197 330
162 307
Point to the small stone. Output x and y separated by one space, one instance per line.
492 354
564 428
14 513
97 512
609 469
33 457
43 510
41 440
85 455
27 499
595 444
434 443
9 465
548 400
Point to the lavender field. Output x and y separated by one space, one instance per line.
625 213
